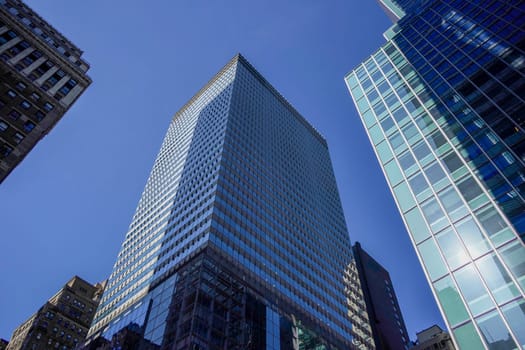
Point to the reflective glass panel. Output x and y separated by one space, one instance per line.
494 332
497 279
420 187
494 225
432 259
417 225
514 257
408 164
393 173
450 301
436 176
404 197
467 337
453 204
473 290
384 152
452 248
475 241
434 215
515 315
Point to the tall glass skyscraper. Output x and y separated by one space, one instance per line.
239 240
443 104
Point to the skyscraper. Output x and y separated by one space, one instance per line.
239 239
41 75
386 320
443 104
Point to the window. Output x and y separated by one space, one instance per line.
497 279
494 225
432 260
35 96
417 225
515 315
3 126
473 290
48 106
494 331
25 105
11 93
5 150
18 137
39 115
452 203
21 86
434 215
28 126
420 187
467 337
514 256
14 114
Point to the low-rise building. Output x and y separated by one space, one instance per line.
433 338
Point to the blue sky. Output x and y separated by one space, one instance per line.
66 208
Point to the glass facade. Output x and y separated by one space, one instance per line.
239 240
443 104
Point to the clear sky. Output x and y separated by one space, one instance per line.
66 208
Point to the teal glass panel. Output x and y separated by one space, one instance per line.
362 104
352 81
408 163
434 215
366 84
494 225
471 235
420 187
454 165
373 97
495 332
425 123
432 260
369 118
438 142
384 152
397 142
437 176
514 257
452 249
376 134
497 279
467 337
411 133
384 88
388 125
473 291
514 313
404 197
357 92
380 58
423 153
450 301
472 193
393 173
416 223
400 115
453 204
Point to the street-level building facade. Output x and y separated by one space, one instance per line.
443 105
239 240
41 75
